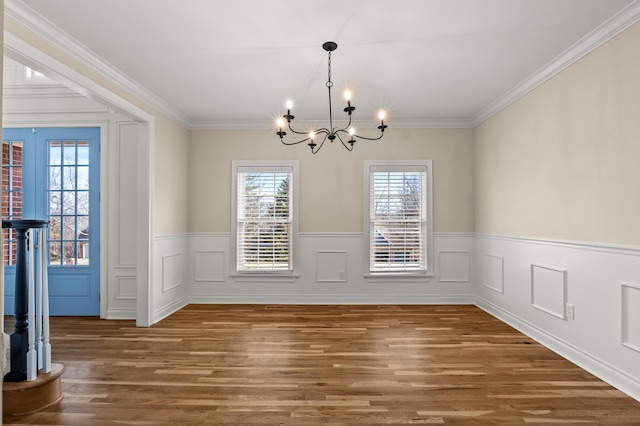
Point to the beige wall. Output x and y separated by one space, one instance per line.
563 162
331 182
171 178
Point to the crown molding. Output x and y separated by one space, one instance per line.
269 125
232 125
443 123
24 15
596 38
27 17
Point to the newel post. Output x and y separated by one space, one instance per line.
20 337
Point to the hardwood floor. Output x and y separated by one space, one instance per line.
311 365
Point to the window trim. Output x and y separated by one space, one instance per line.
263 275
395 276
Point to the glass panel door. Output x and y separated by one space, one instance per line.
53 173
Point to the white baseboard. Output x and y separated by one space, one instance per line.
593 365
165 311
355 299
121 314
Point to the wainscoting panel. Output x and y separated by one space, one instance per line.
168 291
587 276
549 289
325 259
493 277
122 212
119 290
454 266
630 315
331 266
126 288
123 302
171 272
208 266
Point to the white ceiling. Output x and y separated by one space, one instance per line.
235 63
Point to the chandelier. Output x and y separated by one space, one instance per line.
330 132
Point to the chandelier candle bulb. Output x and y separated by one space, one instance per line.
381 116
280 132
312 144
352 132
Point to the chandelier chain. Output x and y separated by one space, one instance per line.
329 82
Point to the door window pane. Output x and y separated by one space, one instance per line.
69 202
83 153
69 252
69 153
55 253
82 174
69 178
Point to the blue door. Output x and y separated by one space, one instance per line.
54 174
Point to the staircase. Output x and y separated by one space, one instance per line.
32 382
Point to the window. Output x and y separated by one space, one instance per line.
399 217
265 216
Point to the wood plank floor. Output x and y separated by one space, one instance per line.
311 365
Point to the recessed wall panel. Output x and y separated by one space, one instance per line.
171 272
493 272
75 286
631 315
454 266
208 266
549 289
331 266
126 288
126 202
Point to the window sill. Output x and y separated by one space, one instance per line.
265 277
394 277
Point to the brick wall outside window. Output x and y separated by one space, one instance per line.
11 194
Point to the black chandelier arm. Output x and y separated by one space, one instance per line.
351 142
293 143
381 128
308 138
338 131
295 131
315 148
345 129
317 131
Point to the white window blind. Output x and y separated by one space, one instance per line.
264 219
398 219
